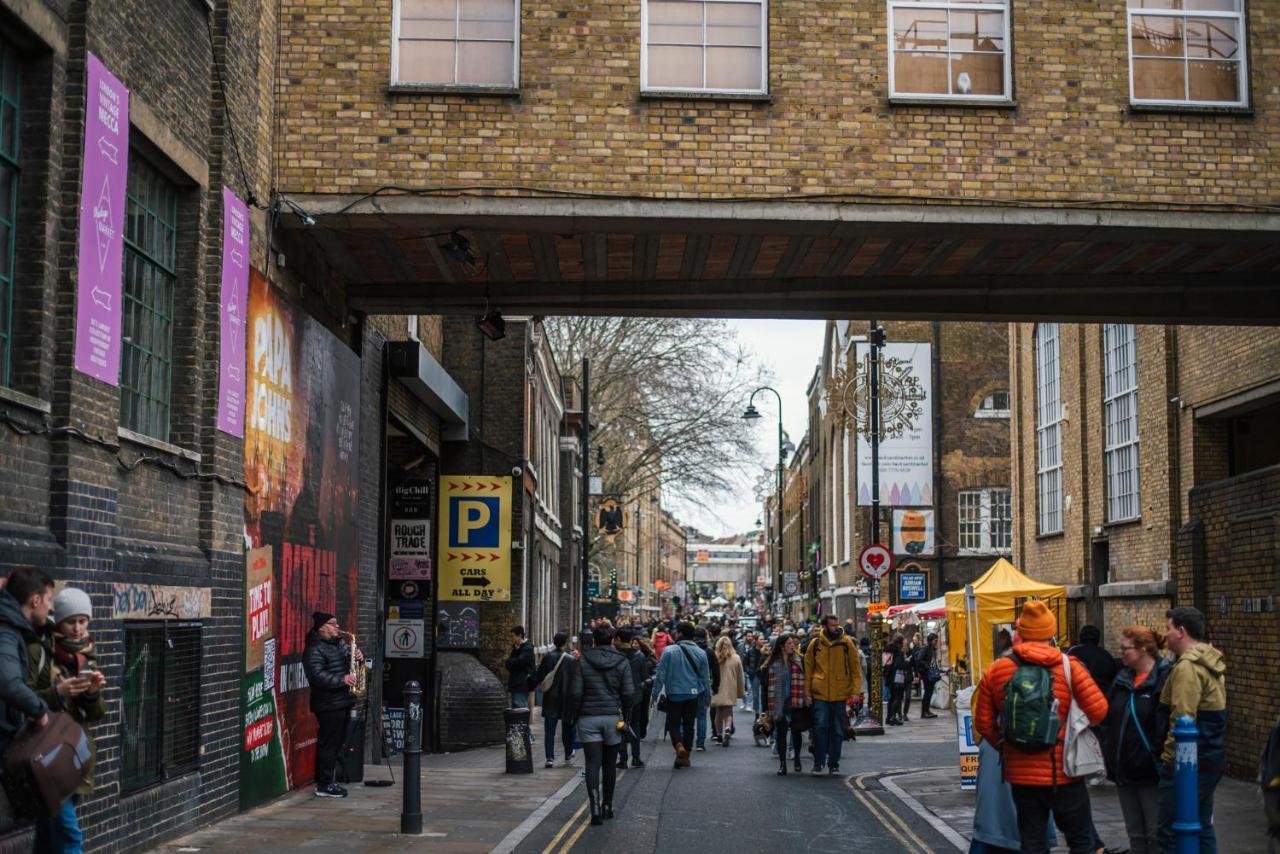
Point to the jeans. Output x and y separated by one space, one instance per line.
519 699
60 832
631 734
753 694
329 741
1140 805
566 738
926 700
704 708
1208 782
680 720
1069 804
828 733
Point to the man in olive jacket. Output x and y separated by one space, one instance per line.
832 674
327 663
1197 687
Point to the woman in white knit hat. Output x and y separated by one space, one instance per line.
77 686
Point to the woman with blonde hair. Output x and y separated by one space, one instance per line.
733 687
1133 736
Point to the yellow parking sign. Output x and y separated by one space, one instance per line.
475 551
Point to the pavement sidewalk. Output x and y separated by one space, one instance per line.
468 804
935 795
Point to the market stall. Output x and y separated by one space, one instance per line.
976 615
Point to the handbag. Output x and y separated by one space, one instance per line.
550 678
1081 753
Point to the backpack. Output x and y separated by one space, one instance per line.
1030 717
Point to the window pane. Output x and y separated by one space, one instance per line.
140 711
675 23
675 67
1159 79
428 19
733 68
1157 36
1212 38
733 24
427 61
1212 5
920 29
1214 81
977 31
486 63
977 74
486 19
1155 4
920 73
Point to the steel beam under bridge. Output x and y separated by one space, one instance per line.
796 259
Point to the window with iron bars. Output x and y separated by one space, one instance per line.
986 520
10 123
160 711
1048 430
150 282
1120 414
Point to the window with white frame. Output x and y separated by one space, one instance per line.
1187 52
949 49
1048 430
704 46
986 520
456 43
994 405
1120 414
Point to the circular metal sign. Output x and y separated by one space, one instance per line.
875 561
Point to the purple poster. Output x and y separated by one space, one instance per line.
235 298
106 155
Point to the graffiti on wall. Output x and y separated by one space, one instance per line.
301 528
160 602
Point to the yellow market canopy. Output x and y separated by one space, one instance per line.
998 595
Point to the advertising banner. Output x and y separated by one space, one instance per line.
906 402
102 203
475 559
234 302
966 740
913 532
302 526
913 587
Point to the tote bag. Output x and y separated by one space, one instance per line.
1081 753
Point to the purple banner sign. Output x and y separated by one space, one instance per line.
102 186
235 300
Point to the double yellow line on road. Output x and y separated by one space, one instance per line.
886 815
568 825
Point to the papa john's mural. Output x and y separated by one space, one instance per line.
300 527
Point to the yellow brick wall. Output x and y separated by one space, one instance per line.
579 123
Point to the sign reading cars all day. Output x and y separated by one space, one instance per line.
474 559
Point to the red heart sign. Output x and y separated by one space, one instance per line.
875 559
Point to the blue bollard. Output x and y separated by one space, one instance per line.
1186 820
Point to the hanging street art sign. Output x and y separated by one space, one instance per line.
913 532
475 555
234 320
906 425
102 201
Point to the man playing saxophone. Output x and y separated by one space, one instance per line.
328 661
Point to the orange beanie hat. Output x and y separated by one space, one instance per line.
1037 622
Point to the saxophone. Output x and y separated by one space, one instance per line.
361 687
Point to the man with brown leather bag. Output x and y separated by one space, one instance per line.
25 603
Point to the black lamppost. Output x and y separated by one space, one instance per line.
752 414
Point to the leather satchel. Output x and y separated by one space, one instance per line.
44 766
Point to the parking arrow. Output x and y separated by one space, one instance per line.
475 582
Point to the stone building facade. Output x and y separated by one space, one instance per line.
1144 475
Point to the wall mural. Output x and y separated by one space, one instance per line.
300 528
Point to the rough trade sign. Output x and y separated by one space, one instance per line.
475 557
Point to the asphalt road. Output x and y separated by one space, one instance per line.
731 800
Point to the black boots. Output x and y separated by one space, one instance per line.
622 762
594 803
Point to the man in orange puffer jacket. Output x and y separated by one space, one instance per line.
1040 786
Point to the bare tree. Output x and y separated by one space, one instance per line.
667 396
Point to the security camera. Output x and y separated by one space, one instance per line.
517 471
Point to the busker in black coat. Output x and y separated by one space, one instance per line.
560 698
326 661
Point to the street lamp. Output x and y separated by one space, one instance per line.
753 414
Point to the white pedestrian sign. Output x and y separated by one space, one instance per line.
405 639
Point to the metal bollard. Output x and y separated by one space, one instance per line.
411 808
1186 823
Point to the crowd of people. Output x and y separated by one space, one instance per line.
1034 764
794 680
